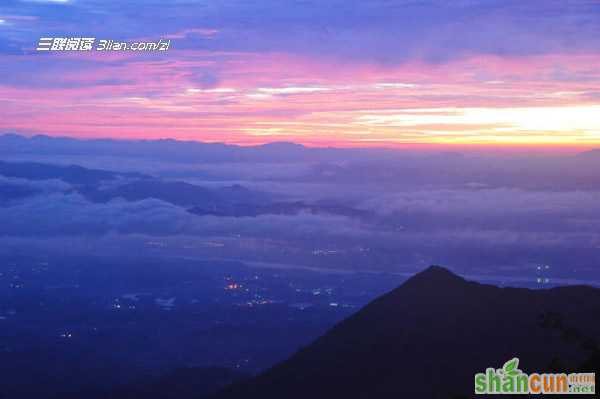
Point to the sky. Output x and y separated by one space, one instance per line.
321 73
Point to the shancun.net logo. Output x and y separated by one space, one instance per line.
510 380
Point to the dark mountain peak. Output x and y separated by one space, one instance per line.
437 271
428 337
435 292
435 277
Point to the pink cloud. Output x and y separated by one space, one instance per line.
256 98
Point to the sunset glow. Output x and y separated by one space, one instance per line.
209 87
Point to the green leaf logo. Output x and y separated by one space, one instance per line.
511 367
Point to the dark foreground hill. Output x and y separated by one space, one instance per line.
428 338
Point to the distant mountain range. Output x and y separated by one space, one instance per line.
227 201
73 174
428 338
176 150
411 167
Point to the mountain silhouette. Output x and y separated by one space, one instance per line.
595 153
427 339
71 173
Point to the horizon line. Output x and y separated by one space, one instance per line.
340 145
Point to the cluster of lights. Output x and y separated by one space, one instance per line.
541 279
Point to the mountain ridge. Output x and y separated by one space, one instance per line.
180 150
436 330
